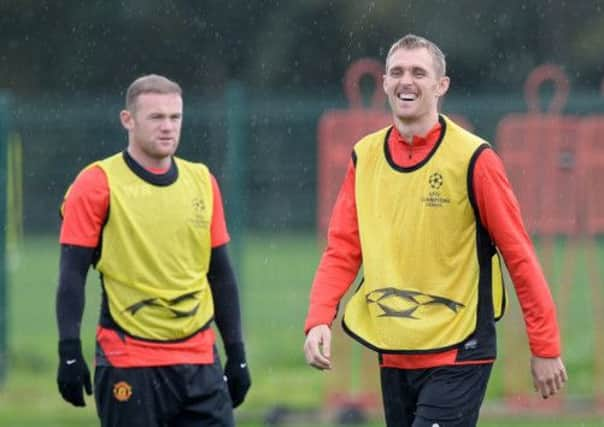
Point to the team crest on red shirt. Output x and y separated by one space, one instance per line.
122 391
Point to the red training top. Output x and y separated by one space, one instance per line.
500 214
84 213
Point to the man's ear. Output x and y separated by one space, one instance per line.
127 119
443 85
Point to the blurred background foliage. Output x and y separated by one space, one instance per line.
74 46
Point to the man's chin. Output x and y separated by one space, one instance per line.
165 151
406 116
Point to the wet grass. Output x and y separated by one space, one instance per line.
275 278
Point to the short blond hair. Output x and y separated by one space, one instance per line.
150 83
411 41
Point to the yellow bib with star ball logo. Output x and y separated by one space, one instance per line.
156 249
429 266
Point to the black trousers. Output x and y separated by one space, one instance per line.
448 396
167 396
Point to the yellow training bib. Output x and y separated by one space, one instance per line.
156 249
424 252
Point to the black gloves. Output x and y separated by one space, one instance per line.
73 373
236 373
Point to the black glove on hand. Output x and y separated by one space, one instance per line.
236 373
73 373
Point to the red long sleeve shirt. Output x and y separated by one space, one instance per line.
84 214
500 214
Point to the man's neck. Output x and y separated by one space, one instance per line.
149 163
416 127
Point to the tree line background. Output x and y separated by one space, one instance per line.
70 46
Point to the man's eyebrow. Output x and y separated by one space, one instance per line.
410 67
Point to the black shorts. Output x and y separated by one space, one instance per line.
448 396
167 396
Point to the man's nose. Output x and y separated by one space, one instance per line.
165 125
406 78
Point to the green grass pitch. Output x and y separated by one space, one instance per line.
275 277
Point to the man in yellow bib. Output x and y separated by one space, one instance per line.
153 225
426 208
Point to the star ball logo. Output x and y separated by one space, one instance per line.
435 180
435 199
198 205
405 303
198 218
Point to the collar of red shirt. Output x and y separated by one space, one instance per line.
430 138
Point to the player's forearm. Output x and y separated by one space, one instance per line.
332 280
537 306
227 312
70 298
336 272
533 295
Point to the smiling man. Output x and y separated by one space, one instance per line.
153 225
426 209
